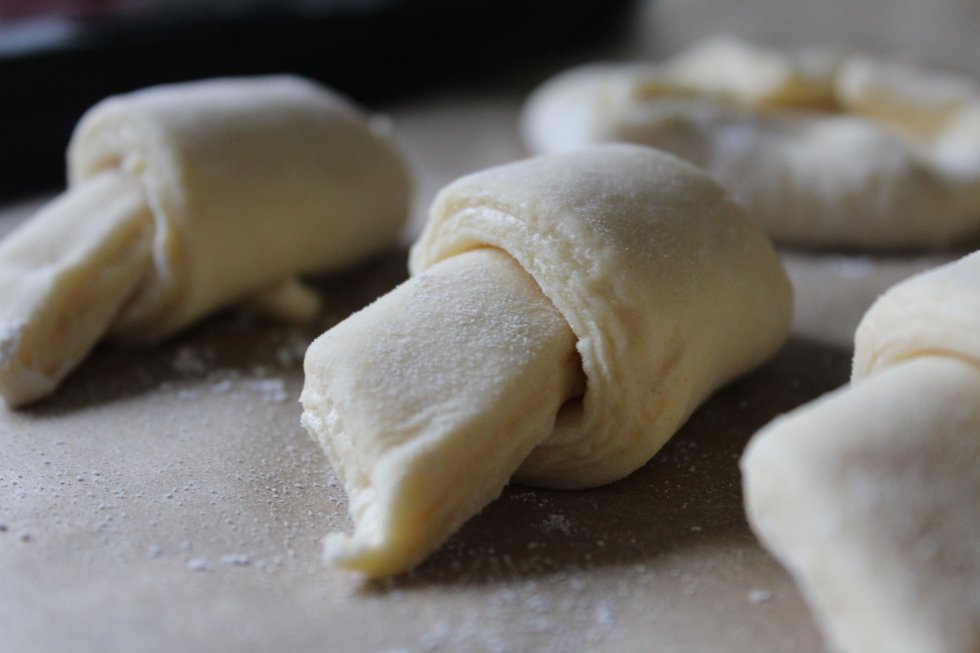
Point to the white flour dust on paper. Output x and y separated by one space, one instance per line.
200 564
757 596
200 374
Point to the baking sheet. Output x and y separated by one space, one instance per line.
167 499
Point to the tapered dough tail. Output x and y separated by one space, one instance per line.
429 399
63 281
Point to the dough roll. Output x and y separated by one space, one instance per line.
662 289
250 181
826 149
669 288
186 198
869 496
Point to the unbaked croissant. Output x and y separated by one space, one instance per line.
826 149
564 317
182 199
870 496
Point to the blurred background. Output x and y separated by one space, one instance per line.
58 57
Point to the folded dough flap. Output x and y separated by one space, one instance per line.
935 312
669 288
426 402
869 497
250 181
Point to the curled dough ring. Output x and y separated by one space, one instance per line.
869 495
826 149
565 316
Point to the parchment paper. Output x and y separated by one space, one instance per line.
166 499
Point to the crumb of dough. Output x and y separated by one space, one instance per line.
200 564
190 360
235 560
757 596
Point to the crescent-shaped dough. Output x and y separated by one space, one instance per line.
826 149
251 182
657 289
185 198
870 496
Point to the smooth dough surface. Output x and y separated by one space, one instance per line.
251 182
649 289
869 496
64 276
825 148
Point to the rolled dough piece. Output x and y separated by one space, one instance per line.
933 313
636 288
870 496
833 291
192 196
826 149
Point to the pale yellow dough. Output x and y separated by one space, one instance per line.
565 316
827 149
870 496
185 198
934 313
